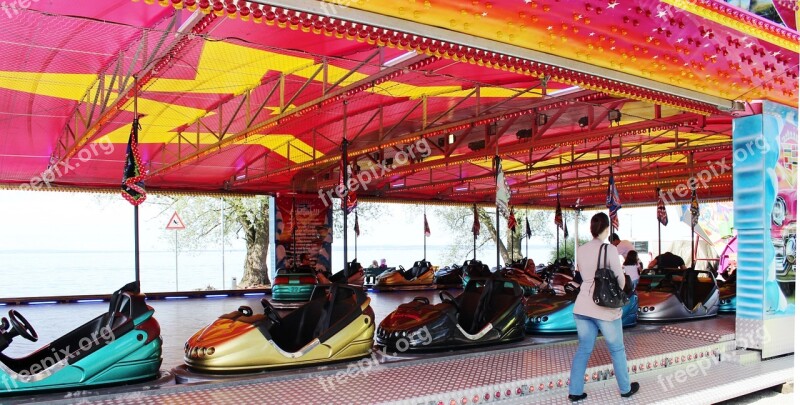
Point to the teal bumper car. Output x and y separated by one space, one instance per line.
294 285
549 312
120 346
727 296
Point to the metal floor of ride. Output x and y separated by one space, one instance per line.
532 371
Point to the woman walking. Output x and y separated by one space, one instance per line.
590 317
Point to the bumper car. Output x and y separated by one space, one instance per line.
336 324
488 311
294 284
354 275
474 269
519 264
530 283
419 275
449 275
680 295
727 297
549 312
371 274
726 279
120 346
559 273
650 278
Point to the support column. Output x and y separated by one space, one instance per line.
764 172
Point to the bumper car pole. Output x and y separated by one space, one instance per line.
476 229
345 179
136 206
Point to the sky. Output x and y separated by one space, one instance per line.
69 221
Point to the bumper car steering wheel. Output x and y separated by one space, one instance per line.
22 326
270 312
445 296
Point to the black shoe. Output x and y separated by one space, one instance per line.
634 388
581 397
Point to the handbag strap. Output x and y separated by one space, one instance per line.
603 249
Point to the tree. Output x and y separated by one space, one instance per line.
252 215
244 217
459 222
566 249
367 211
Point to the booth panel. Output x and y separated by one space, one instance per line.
765 204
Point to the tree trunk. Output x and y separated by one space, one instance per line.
257 240
255 264
515 244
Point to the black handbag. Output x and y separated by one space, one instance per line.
607 292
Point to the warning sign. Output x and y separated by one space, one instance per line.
175 223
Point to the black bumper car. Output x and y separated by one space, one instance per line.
474 269
489 311
449 275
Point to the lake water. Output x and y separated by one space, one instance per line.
32 273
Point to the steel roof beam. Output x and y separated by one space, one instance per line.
424 134
79 129
594 162
288 116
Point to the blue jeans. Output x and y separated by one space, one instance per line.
587 334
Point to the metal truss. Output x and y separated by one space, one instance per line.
329 161
331 93
509 149
122 80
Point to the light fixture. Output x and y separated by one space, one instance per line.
477 145
583 122
563 91
451 139
614 116
541 119
400 59
735 106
